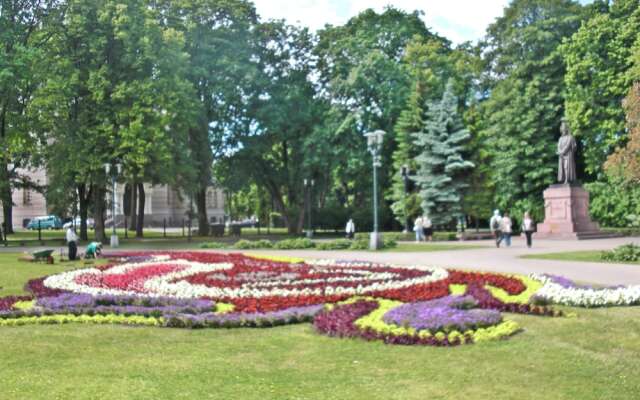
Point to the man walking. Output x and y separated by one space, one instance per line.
505 227
72 242
494 225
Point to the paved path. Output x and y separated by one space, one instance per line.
489 258
504 259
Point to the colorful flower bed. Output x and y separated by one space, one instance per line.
394 304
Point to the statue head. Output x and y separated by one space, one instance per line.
564 127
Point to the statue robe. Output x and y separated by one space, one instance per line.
567 161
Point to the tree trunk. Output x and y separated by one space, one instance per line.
83 201
133 222
5 186
99 194
201 203
140 221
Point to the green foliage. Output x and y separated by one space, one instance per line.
525 76
625 253
294 244
338 244
214 245
598 59
441 166
248 244
612 201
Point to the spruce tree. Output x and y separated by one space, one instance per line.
405 205
442 170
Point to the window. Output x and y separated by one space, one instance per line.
26 197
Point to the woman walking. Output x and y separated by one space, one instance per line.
505 227
528 227
418 227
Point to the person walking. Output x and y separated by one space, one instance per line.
418 227
505 227
72 242
528 227
427 228
350 229
494 225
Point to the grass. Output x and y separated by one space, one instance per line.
583 256
593 356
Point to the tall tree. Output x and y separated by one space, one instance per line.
21 45
220 42
441 166
525 82
116 92
625 161
598 59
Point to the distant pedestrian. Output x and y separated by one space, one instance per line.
418 228
494 225
72 242
505 227
427 228
350 229
528 227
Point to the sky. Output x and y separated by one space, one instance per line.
457 20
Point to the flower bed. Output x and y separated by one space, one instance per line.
395 304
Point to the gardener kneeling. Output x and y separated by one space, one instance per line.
94 249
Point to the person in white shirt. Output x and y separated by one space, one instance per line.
418 227
528 227
350 229
72 242
494 225
427 228
505 227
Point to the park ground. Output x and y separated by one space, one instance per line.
591 354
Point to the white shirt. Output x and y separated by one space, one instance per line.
71 236
527 224
417 224
351 227
426 223
505 225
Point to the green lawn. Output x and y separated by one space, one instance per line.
593 356
585 256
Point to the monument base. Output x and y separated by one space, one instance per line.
566 208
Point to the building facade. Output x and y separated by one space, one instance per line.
163 204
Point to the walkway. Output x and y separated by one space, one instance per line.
504 259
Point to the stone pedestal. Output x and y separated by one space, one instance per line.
566 209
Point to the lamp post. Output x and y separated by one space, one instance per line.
114 170
308 187
405 179
374 144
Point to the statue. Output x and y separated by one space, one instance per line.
566 152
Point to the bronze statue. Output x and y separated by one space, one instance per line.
566 152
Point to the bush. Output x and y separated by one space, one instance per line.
214 245
339 244
294 244
249 245
625 253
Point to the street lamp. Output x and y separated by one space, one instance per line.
405 179
114 170
308 187
374 144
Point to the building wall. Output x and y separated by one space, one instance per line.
161 203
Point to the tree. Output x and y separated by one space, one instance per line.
276 151
115 92
598 60
362 76
21 45
625 161
525 81
220 43
441 166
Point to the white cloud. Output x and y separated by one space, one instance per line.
458 20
